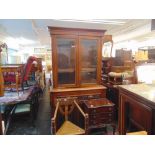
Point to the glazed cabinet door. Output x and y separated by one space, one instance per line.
66 61
89 48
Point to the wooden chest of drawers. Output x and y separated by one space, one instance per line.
101 112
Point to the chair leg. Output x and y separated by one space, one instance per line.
32 112
9 119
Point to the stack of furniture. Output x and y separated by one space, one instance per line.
114 75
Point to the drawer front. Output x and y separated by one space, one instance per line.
100 110
100 121
106 120
100 115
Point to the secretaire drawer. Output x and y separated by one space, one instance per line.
101 115
101 110
101 121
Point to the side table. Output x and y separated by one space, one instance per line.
101 113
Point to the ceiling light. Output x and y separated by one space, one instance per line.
97 21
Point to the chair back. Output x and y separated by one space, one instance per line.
27 68
66 106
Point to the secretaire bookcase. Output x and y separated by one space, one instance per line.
76 62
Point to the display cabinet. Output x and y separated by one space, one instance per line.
76 61
76 57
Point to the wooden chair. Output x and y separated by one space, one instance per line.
16 75
66 106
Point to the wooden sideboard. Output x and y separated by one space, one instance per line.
137 106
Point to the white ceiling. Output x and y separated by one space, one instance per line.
34 32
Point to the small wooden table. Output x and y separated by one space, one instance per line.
101 113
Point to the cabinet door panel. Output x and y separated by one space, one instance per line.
88 53
66 60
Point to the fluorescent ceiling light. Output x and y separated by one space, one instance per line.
97 21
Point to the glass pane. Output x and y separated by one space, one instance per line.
89 60
66 61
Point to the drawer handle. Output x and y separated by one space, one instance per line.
110 108
110 114
94 110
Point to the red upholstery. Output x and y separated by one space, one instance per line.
27 67
11 76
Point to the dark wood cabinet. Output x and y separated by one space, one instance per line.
1 124
101 113
76 62
137 108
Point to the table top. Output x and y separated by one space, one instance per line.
146 91
56 90
13 97
11 66
96 103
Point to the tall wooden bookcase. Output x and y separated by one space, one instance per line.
76 62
